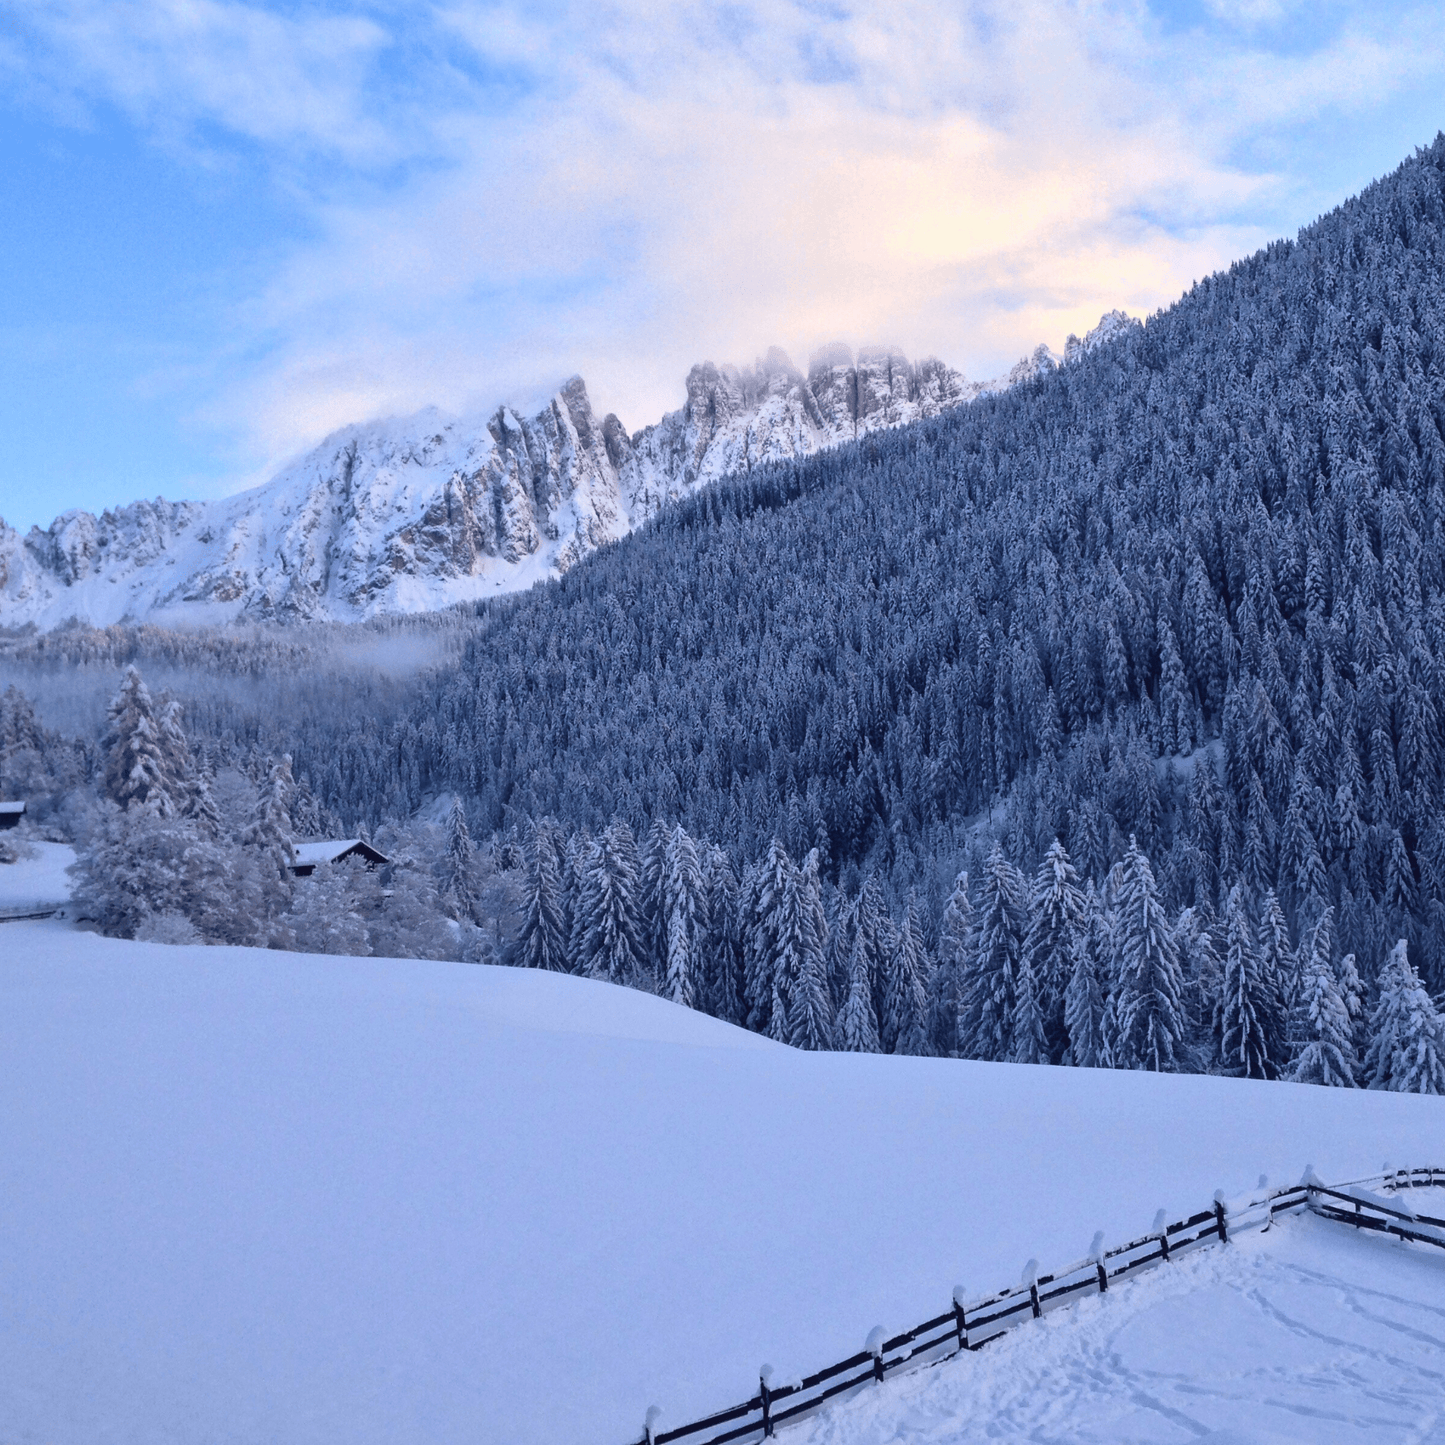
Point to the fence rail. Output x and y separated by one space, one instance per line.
23 917
972 1325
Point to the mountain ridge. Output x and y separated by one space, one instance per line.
416 513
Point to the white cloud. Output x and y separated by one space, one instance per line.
622 190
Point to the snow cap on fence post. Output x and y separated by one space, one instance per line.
1030 1278
1161 1233
1309 1178
1096 1247
653 1411
874 1345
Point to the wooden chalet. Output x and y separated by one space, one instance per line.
10 815
310 856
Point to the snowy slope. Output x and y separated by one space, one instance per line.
249 1196
417 513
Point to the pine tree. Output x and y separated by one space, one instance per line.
1056 912
542 941
1149 1007
989 985
1322 1029
764 890
1277 977
683 903
905 1027
810 1007
858 1024
652 899
945 991
1407 1034
269 832
723 942
137 769
1027 1045
1244 1004
607 927
458 884
1085 997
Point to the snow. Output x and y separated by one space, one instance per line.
1306 1333
323 852
35 883
254 1196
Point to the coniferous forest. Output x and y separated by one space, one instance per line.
1096 722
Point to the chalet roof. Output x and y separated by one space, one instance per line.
308 855
11 810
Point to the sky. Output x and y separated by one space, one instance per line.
227 228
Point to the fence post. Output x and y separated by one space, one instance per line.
874 1345
766 1395
653 1412
1162 1234
1219 1216
960 1321
1031 1275
1096 1253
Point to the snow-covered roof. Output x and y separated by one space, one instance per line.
327 851
11 810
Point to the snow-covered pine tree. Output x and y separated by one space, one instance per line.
684 905
607 925
944 993
875 933
1027 1044
1322 1029
542 939
1150 985
459 889
985 1028
1407 1034
1244 1001
137 767
857 1024
1056 912
764 889
269 832
652 897
810 1006
1278 977
1085 997
723 944
905 1027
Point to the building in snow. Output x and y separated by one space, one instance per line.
10 815
309 856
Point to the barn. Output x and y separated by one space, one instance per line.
310 856
10 815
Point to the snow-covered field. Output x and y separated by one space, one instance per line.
37 882
250 1196
1310 1334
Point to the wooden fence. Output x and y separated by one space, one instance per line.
969 1325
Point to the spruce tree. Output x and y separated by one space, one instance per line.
1240 1021
1056 912
857 1023
683 904
1149 1009
138 771
944 993
989 985
810 1007
1085 997
269 832
1027 1045
542 941
458 883
607 925
1407 1034
905 1028
723 942
1322 1029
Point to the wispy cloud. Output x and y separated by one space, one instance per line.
512 193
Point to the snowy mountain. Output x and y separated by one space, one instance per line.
414 514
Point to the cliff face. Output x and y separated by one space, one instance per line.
413 514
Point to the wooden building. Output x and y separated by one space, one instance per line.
310 856
10 815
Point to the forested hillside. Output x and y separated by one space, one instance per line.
1217 538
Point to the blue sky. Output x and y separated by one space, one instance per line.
228 228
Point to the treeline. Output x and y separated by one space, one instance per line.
1050 971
